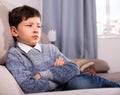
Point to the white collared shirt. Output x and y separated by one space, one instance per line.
27 48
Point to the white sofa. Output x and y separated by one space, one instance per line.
8 86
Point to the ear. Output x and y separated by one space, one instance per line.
14 31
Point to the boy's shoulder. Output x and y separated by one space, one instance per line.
14 50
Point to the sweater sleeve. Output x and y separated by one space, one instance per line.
61 74
24 76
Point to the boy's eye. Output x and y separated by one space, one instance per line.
29 25
39 26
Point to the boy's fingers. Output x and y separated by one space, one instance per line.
56 62
62 61
59 62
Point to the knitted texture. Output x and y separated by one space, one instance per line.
24 66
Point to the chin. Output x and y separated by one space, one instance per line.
34 43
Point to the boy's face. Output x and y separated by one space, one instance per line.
28 31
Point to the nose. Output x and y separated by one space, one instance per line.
36 30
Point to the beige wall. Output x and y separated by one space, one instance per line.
109 50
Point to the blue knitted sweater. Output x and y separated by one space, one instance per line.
24 66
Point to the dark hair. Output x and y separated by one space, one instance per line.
21 13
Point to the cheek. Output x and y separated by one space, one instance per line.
40 33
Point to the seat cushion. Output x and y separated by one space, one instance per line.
8 85
111 76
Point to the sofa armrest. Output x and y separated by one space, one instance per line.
8 85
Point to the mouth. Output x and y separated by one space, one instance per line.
35 37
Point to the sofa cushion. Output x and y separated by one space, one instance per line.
100 65
8 85
83 63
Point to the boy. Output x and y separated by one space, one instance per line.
40 68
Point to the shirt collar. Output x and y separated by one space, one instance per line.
27 48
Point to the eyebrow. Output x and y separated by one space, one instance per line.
31 23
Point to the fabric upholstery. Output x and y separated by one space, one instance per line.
83 63
8 85
111 76
101 91
6 40
101 66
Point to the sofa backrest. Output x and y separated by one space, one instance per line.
6 40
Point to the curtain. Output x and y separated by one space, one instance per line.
75 24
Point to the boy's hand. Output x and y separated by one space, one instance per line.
59 62
37 76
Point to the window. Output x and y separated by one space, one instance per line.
108 18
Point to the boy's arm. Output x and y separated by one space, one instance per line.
24 76
58 62
61 74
